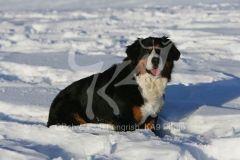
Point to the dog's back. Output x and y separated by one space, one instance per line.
70 105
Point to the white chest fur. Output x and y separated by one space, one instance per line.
152 90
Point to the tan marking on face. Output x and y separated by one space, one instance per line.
79 119
151 47
166 72
141 66
137 113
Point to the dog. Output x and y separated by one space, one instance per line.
128 95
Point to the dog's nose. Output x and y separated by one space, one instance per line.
155 61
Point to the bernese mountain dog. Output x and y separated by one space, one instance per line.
128 95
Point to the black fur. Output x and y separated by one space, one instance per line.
74 98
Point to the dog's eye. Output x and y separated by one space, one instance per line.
158 51
147 51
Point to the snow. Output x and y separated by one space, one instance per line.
45 46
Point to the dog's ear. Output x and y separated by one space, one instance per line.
174 53
133 50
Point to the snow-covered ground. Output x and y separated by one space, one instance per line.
201 117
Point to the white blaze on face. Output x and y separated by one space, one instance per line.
149 59
149 65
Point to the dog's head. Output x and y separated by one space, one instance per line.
152 55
